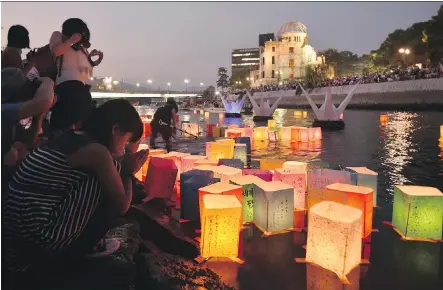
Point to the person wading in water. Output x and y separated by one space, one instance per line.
164 123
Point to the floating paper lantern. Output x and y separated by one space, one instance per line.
418 212
298 114
265 175
272 135
334 237
272 124
311 134
241 152
216 132
359 197
260 133
190 128
320 178
205 162
296 180
232 133
285 133
297 166
209 128
247 183
368 178
206 115
245 140
305 114
141 175
304 134
271 164
219 150
177 157
147 129
230 142
186 118
161 177
273 206
383 118
225 173
202 111
236 163
188 162
220 226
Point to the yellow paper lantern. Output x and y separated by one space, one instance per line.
272 124
220 218
295 134
273 206
260 133
188 162
247 182
298 114
368 178
206 115
285 134
383 118
295 179
271 164
230 143
334 237
241 152
305 114
220 150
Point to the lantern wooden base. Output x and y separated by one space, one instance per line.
404 238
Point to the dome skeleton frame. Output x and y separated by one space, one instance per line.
292 27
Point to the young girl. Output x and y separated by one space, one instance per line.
68 193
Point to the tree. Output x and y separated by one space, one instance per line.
209 94
223 79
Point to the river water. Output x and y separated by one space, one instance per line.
405 150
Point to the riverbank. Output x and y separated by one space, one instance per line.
413 95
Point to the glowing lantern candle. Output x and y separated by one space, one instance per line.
297 181
368 178
205 162
230 142
247 183
418 212
383 118
245 140
235 163
304 134
265 175
359 197
209 128
334 237
161 177
232 133
273 206
216 132
206 115
202 111
220 150
271 164
260 133
241 152
225 173
188 162
272 124
285 133
141 175
220 226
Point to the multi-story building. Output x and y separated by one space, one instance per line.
244 61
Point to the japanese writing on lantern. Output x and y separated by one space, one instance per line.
320 178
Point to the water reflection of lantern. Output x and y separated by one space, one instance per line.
235 163
418 212
260 133
233 133
272 135
230 142
189 161
304 134
265 175
209 129
247 183
271 164
220 226
272 124
368 178
317 133
161 177
305 114
273 206
383 118
295 134
319 278
241 152
295 179
285 133
334 237
359 197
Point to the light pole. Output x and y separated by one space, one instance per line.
186 82
149 82
404 52
137 85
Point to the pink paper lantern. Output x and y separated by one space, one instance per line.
295 179
161 177
266 175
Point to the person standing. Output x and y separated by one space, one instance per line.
18 39
164 123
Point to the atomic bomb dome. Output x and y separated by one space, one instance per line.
292 27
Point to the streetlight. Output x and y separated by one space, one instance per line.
115 82
404 52
202 84
217 93
186 82
149 81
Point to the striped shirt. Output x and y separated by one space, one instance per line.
49 202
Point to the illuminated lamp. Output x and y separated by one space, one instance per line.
358 197
241 152
220 150
245 140
247 183
225 173
320 178
230 142
272 124
304 134
271 164
260 133
147 129
273 206
295 134
235 163
305 114
233 133
206 115
418 212
297 181
141 175
216 131
202 111
161 177
285 133
265 175
188 162
383 118
209 128
220 226
272 135
298 114
298 166
334 237
368 178
205 162
319 278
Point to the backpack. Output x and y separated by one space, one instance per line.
46 64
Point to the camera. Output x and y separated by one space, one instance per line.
83 41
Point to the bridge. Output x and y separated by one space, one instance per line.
153 95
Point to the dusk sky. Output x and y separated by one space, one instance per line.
171 41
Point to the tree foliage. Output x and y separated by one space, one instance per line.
223 79
209 94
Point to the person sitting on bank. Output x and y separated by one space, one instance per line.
18 39
68 193
163 122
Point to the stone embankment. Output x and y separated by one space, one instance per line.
425 94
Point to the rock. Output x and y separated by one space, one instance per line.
168 272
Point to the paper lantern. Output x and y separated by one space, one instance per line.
418 212
272 124
205 162
190 128
297 181
303 134
202 111
305 114
230 142
216 132
223 189
320 178
147 129
285 134
273 206
247 183
368 178
311 134
161 177
383 118
271 164
188 162
441 132
220 150
236 163
209 128
241 152
299 218
265 175
295 134
206 115
177 157
248 132
220 226
141 175
232 133
272 135
334 237
186 118
245 140
297 166
317 133
260 133
359 197
225 173
298 114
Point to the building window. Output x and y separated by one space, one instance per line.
273 49
263 61
273 59
273 74
291 63
291 50
263 74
